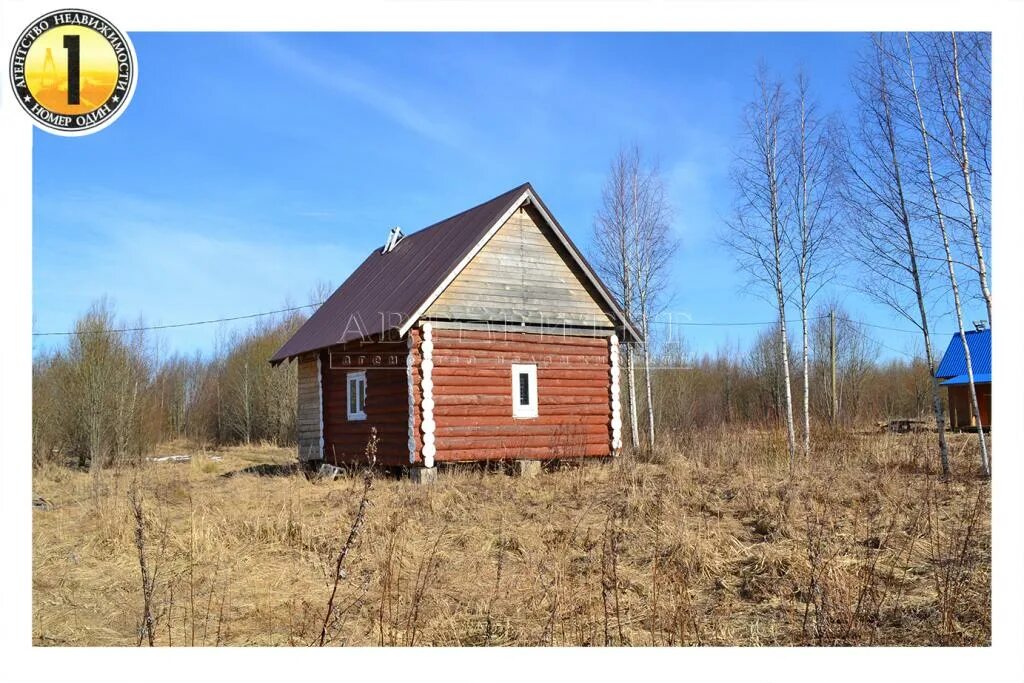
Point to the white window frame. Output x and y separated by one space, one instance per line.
359 378
529 410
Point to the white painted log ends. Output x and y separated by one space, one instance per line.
427 389
616 422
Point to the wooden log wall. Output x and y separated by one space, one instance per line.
387 401
472 392
310 409
961 413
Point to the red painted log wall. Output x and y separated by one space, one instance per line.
387 402
472 377
473 394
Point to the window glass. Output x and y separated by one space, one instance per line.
357 395
524 390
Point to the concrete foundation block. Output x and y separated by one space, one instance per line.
329 472
526 468
422 475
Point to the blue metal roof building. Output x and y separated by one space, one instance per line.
953 371
953 368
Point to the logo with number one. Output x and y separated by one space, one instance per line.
73 71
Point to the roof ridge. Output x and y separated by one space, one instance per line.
518 188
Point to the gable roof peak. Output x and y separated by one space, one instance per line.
392 288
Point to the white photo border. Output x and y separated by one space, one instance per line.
1001 661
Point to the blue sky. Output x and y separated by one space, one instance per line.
249 167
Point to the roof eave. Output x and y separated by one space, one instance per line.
624 322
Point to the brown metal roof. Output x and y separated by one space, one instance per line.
386 290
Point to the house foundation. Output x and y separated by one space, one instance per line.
526 468
422 475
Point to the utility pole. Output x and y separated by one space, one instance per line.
832 362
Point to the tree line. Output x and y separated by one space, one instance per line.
746 387
110 395
892 200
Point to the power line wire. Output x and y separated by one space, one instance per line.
173 325
899 329
912 356
250 316
728 324
863 335
788 321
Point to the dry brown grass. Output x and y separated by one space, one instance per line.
711 542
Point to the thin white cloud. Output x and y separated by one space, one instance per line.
356 82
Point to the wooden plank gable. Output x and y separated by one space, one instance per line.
522 274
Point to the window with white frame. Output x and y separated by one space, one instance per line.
524 390
357 395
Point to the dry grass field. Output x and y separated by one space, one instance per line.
712 542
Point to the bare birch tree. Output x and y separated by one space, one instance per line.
940 222
654 247
615 244
813 171
964 130
759 232
879 211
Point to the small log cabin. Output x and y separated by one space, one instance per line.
485 336
952 371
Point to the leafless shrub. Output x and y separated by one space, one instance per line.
498 566
610 587
424 573
389 575
357 523
953 546
148 575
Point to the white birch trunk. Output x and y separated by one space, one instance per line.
940 217
647 380
940 419
771 172
965 170
783 342
634 427
805 247
807 371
